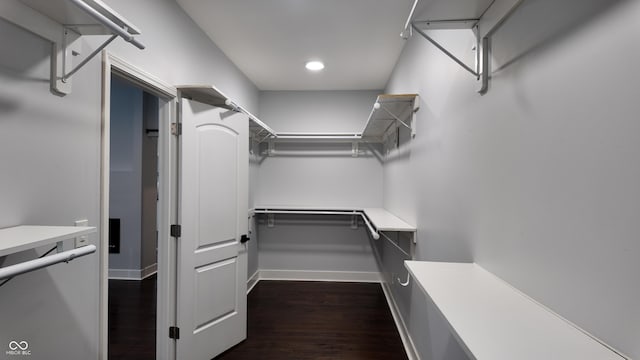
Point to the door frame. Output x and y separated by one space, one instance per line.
167 209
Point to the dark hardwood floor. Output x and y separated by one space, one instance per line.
294 320
132 319
320 321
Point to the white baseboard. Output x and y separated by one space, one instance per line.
133 274
314 275
407 341
253 281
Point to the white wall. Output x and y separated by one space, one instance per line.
307 180
50 155
178 52
49 151
317 243
537 180
254 179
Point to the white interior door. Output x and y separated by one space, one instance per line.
212 261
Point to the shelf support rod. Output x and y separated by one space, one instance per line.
395 117
31 265
406 33
95 52
373 232
395 245
264 137
445 51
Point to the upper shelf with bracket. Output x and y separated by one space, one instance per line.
63 22
211 95
483 17
391 111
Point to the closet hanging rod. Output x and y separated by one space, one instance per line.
373 232
122 32
31 265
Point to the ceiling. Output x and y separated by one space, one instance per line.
271 40
358 40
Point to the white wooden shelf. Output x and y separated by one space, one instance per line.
310 209
386 221
319 137
210 95
494 321
380 219
389 112
25 237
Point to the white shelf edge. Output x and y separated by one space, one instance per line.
25 237
383 220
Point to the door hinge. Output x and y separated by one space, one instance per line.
174 332
176 129
176 230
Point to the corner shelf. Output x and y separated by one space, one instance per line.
26 237
210 95
63 22
494 321
389 112
318 137
386 221
376 219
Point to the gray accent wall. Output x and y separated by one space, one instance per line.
133 178
50 156
149 258
125 181
537 181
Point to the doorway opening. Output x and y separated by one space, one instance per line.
137 253
133 219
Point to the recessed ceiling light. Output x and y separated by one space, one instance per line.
314 65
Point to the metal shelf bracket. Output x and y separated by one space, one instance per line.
471 24
354 149
483 28
64 28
